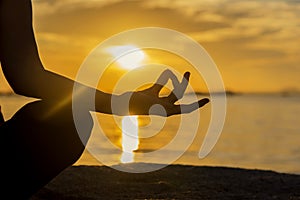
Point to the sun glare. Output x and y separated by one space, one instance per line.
128 57
130 141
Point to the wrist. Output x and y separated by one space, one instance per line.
120 104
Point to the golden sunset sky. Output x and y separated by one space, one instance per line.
255 44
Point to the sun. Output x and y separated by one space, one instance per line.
128 56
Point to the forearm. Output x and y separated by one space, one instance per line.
112 103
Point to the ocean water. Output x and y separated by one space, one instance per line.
260 132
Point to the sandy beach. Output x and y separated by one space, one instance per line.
172 182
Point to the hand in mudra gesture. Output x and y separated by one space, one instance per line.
141 102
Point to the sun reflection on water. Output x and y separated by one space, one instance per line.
130 140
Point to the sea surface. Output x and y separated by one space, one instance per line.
261 131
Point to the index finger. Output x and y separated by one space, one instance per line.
163 79
179 89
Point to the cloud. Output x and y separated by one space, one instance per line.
45 7
92 16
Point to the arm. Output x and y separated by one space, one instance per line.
21 63
20 59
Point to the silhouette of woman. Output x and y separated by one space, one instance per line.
37 143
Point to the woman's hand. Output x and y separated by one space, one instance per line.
143 102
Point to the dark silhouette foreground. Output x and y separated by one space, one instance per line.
41 140
172 182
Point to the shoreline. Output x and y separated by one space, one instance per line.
171 182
